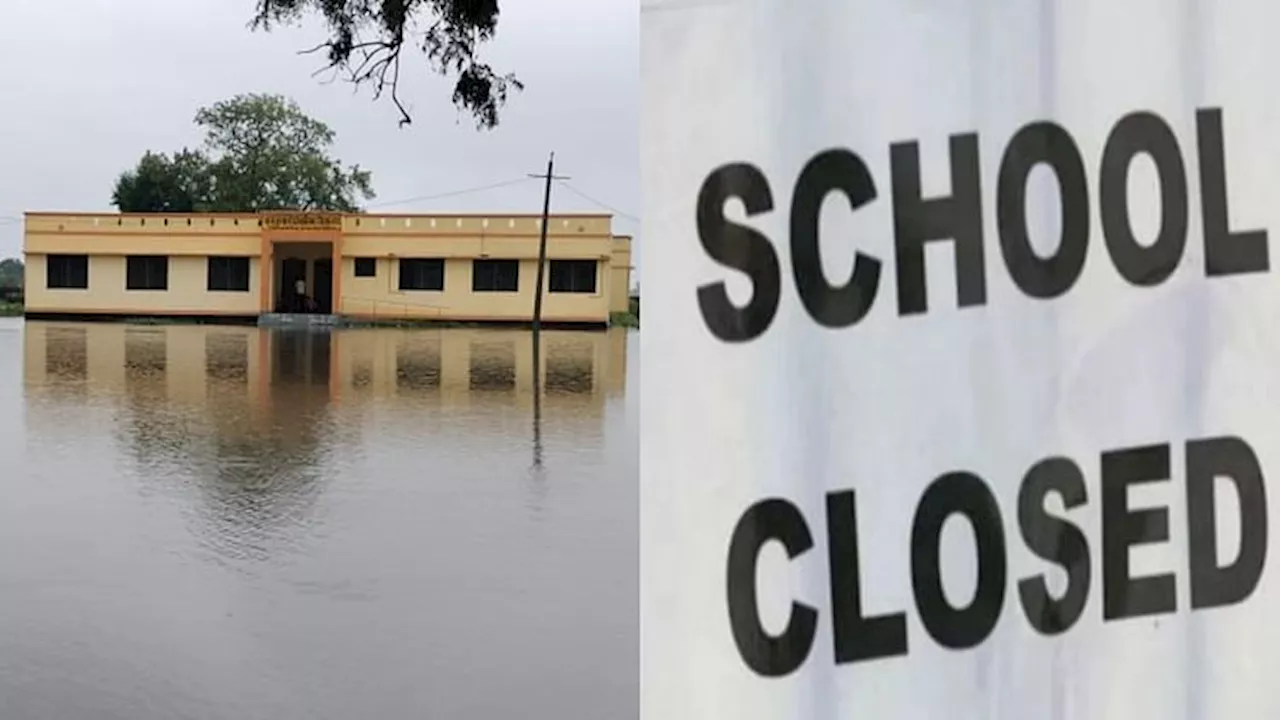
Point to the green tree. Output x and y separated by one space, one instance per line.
260 152
366 38
159 183
11 273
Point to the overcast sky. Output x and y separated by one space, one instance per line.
89 85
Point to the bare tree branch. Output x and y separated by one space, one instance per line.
367 39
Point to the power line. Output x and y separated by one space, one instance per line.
598 203
453 193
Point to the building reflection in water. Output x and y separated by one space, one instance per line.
257 422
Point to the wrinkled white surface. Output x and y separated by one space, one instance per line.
887 406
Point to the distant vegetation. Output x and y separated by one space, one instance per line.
628 319
10 287
10 273
260 152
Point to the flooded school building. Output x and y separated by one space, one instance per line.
460 268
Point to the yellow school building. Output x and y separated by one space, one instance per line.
459 268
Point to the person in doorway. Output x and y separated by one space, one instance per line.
300 294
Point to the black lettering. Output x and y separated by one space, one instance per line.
741 248
1055 540
1122 595
1137 133
1050 144
856 637
1229 457
917 221
833 307
968 495
1225 252
768 655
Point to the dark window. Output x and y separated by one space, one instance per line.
147 272
229 273
366 267
495 275
68 272
421 274
573 276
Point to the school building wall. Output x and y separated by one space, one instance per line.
456 240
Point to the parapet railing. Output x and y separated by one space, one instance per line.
517 224
384 308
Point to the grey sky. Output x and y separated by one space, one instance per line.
91 84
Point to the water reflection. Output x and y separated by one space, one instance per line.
348 501
536 343
493 366
66 356
191 364
250 410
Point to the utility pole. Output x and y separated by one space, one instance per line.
542 243
537 308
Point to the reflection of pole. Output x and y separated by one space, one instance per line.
537 401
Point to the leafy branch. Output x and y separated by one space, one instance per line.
368 38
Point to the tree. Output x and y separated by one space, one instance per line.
366 38
11 273
261 152
162 184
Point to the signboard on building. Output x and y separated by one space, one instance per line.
304 221
961 360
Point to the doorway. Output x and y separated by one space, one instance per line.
292 270
310 262
323 284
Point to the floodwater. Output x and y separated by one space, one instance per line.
220 522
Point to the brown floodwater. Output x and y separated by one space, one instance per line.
222 522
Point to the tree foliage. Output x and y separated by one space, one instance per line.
367 37
159 183
10 273
260 152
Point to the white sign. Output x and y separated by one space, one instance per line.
961 359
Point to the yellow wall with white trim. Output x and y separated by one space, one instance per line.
187 293
189 240
380 296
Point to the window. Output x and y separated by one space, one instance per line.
67 272
573 276
495 275
421 274
147 272
366 267
229 274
